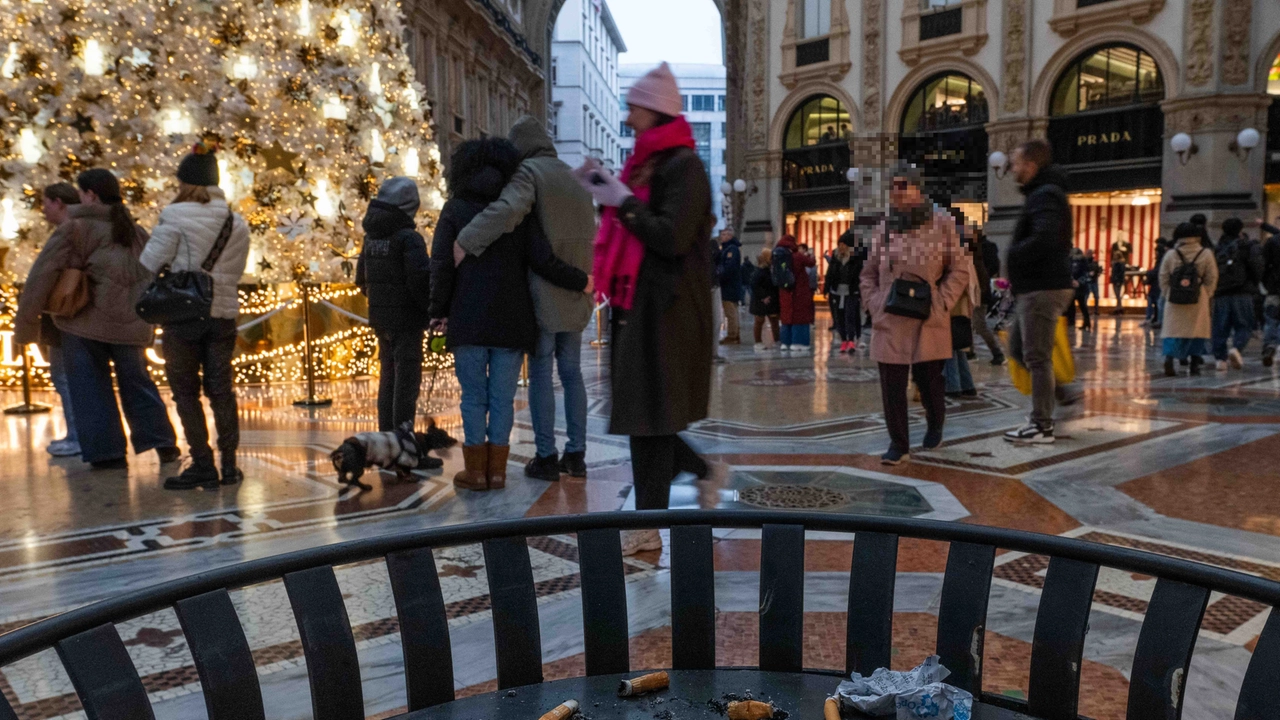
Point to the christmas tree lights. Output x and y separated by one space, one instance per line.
314 104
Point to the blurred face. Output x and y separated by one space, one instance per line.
726 236
55 211
842 252
641 119
1023 169
904 194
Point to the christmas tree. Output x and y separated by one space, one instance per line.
313 106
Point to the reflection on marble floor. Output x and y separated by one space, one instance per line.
1181 466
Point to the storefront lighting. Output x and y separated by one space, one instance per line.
1247 139
1184 146
1140 201
999 162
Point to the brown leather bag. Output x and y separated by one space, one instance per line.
70 294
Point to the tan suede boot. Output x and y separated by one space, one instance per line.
498 466
475 460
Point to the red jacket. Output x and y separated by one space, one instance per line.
796 305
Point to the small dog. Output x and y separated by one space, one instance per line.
400 450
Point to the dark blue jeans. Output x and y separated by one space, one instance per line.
1232 321
565 350
98 425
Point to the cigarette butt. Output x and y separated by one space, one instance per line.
644 684
750 710
831 709
563 711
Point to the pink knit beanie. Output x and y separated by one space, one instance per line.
657 91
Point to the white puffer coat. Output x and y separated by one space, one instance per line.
183 238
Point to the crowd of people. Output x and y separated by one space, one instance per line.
524 246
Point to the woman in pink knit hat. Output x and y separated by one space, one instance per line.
652 264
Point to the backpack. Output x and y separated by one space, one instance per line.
784 276
1185 281
1233 269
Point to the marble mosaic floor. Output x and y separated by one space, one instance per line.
1181 466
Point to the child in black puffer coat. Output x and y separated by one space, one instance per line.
764 299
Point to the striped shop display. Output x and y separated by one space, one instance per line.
1100 221
821 236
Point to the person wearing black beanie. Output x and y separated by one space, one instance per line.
200 166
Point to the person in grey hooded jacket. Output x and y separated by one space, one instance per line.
544 184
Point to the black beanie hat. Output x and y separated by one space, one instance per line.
1186 230
200 166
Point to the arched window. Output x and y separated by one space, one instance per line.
822 119
1273 78
1108 77
947 101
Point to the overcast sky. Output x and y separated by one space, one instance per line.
678 31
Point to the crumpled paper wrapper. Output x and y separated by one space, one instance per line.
916 693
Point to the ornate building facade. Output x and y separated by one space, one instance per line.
477 67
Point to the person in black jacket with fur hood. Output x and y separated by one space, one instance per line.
394 272
485 307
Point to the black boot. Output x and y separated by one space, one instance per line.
1196 362
200 473
1169 370
574 464
543 468
168 454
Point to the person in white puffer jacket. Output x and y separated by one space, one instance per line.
183 238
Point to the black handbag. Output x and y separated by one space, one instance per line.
961 332
179 297
907 298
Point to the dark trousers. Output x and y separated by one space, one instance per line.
400 360
198 354
853 318
655 462
833 304
1081 301
89 365
893 393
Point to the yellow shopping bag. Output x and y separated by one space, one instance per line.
1064 364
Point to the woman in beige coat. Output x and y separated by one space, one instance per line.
1187 328
919 243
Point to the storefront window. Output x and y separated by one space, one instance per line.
945 102
820 120
1108 77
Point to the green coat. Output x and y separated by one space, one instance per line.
544 184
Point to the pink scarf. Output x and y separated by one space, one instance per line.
618 252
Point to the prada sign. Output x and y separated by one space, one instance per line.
1107 136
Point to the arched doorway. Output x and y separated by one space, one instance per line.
1272 187
943 132
1107 131
815 163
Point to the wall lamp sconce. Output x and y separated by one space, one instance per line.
1184 146
852 174
1247 139
738 186
999 163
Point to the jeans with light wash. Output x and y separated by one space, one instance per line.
58 373
957 374
1031 338
1232 322
488 377
1271 328
565 350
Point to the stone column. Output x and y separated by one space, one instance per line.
1004 200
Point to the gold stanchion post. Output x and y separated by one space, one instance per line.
308 363
600 340
27 407
524 373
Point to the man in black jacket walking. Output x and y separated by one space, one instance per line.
1271 285
1039 266
394 272
1240 268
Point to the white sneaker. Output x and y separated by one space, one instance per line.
1221 365
638 541
1032 432
759 347
802 349
784 348
63 448
1235 358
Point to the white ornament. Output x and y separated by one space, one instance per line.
376 152
304 17
375 79
334 109
139 57
295 224
347 23
324 205
29 146
175 121
9 223
10 61
411 98
225 181
245 68
94 62
410 163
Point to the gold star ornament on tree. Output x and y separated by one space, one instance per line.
277 157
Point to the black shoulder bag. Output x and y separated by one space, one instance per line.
179 297
907 298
